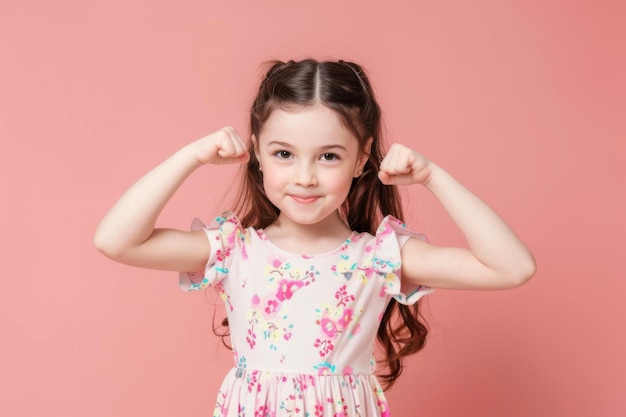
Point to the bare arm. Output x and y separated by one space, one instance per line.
496 257
127 233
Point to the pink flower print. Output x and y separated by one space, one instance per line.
252 380
384 408
329 327
233 234
346 318
367 273
286 289
347 370
223 295
343 408
383 292
325 346
355 330
251 338
256 300
309 276
289 405
390 284
343 296
300 384
352 382
383 230
355 238
262 411
276 269
276 265
276 262
265 411
272 307
221 408
323 370
221 255
319 410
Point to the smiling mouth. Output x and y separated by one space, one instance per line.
304 199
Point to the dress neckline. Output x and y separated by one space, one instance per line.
263 236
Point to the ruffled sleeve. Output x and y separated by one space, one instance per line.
224 234
391 235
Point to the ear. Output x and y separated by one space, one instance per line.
255 143
363 157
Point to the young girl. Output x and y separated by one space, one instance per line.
314 266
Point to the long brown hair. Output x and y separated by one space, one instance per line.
343 87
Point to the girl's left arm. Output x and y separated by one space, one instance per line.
496 258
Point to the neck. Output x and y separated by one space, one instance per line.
308 238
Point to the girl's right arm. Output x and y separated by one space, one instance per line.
127 234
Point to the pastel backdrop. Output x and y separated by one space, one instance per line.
524 101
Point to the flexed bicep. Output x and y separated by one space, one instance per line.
127 232
448 267
167 249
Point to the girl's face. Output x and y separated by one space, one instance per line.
308 159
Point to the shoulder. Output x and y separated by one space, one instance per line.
387 242
228 222
394 233
226 230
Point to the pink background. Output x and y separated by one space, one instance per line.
523 100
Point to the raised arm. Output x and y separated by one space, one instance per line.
496 258
127 234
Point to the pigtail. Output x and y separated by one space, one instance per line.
400 338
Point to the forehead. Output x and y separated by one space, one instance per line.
311 125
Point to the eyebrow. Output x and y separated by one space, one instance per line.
322 148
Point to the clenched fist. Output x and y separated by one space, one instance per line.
403 166
223 146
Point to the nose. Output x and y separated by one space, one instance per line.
305 175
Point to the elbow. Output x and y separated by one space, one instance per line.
523 273
107 246
103 246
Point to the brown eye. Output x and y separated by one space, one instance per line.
283 154
330 157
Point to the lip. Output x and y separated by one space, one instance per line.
304 199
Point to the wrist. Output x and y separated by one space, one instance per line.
431 173
190 156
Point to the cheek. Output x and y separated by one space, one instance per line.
339 182
272 179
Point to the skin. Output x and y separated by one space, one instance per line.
308 159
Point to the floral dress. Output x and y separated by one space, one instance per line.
302 327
